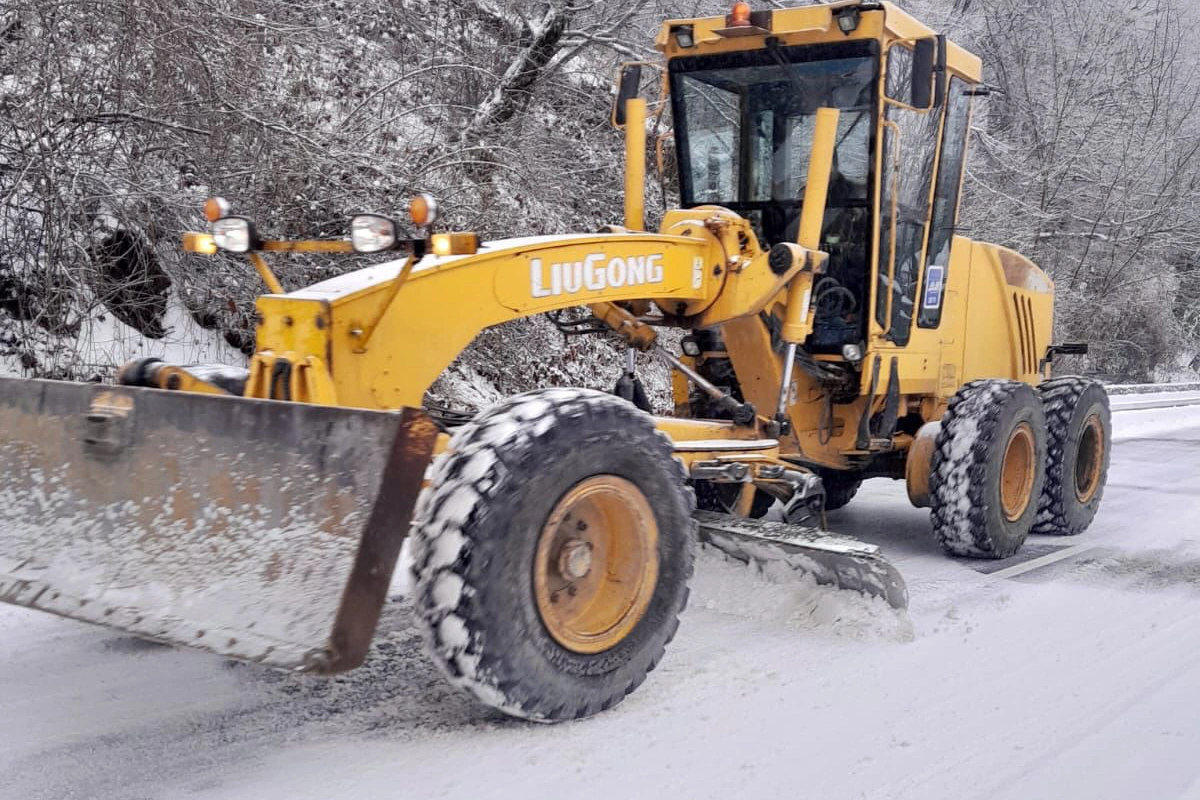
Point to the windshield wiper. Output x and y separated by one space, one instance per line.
781 59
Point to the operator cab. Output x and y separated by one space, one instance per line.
744 126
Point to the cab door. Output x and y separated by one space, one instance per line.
908 155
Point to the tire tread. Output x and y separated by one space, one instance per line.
958 486
1060 398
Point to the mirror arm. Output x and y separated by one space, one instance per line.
264 272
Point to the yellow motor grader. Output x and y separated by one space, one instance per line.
837 329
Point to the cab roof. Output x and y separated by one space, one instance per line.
815 24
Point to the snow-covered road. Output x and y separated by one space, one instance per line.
1075 673
1149 400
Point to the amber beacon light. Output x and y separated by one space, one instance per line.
739 15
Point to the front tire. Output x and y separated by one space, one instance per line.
988 469
1079 426
552 552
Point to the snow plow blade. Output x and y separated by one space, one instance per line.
263 531
831 560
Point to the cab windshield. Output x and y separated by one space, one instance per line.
744 125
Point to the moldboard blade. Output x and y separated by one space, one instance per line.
259 530
831 560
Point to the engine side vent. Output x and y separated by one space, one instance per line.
1025 333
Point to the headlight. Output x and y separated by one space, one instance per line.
685 35
235 234
847 20
852 353
371 233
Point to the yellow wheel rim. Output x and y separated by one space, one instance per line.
596 564
1089 459
1017 472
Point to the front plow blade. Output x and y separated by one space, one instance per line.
259 530
831 560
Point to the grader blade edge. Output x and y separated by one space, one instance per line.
831 560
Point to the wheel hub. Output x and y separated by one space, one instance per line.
596 564
1089 459
575 559
1017 472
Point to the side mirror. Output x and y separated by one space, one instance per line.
928 72
924 53
916 72
627 88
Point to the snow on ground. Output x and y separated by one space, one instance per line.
1149 422
1075 677
1150 400
10 366
110 341
104 342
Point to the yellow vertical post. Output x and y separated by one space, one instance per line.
820 168
812 215
816 192
635 163
264 272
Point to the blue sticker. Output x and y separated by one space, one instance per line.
935 282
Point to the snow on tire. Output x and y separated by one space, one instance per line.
552 552
1079 436
988 469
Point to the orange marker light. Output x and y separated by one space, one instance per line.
215 208
739 17
423 210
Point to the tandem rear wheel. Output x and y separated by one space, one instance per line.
1079 424
1010 460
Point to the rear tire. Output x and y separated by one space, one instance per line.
840 488
988 469
552 552
1079 428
